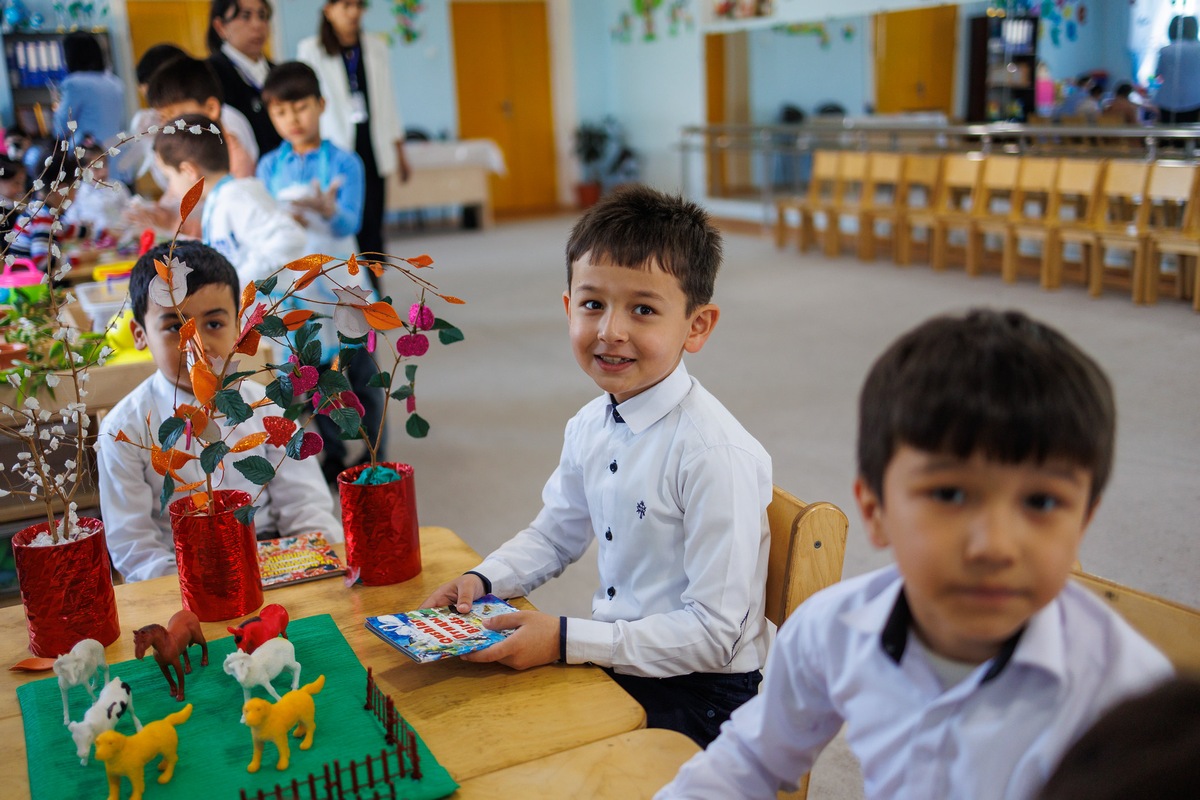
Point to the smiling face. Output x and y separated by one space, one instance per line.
298 121
213 308
982 545
246 27
630 327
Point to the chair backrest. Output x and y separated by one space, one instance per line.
852 177
921 176
885 172
1122 200
823 180
960 177
808 548
997 182
1172 628
1035 183
1171 192
1077 187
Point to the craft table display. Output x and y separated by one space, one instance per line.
475 718
448 174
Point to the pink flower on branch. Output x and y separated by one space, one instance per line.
413 344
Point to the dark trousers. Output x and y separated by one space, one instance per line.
695 704
1179 117
362 367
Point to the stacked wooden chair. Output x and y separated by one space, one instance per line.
1029 218
919 190
818 200
952 210
848 193
1172 226
882 203
1120 224
991 208
1069 217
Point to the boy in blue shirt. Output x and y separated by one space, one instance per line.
322 186
968 667
657 472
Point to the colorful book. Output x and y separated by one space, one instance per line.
293 559
430 634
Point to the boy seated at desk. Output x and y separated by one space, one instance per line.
136 525
968 667
658 472
39 229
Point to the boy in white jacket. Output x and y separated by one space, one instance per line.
240 219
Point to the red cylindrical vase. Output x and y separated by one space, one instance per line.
217 557
382 539
67 590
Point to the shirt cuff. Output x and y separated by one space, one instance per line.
487 585
562 640
589 641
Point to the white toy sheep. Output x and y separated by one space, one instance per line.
261 666
115 699
78 668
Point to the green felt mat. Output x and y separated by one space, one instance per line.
214 748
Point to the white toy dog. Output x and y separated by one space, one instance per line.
115 699
261 666
78 668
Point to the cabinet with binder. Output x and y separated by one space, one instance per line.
35 64
1002 68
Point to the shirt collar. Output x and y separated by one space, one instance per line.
164 388
643 410
256 71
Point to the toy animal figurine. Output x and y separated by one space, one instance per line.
270 623
261 667
271 723
129 755
171 644
115 699
78 668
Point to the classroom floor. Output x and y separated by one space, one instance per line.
795 339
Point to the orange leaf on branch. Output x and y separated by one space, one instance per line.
187 487
308 277
249 442
449 298
308 262
248 344
190 199
382 316
121 437
294 319
165 461
163 270
198 416
377 269
186 332
200 500
352 264
420 261
247 298
204 383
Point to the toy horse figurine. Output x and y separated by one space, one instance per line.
270 623
171 644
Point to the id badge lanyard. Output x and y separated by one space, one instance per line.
358 98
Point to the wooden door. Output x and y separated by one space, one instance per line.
914 60
180 22
727 89
502 64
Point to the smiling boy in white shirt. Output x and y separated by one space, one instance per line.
657 472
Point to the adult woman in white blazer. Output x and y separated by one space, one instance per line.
360 105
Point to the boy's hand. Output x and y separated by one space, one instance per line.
460 593
324 202
535 642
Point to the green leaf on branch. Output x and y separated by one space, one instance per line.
236 376
271 326
230 403
306 334
245 514
348 420
450 335
416 426
265 287
167 490
310 354
410 372
403 393
381 379
280 391
212 455
170 430
293 445
332 383
294 412
255 469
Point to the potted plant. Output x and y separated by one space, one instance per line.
591 142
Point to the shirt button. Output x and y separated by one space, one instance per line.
611 592
613 466
608 534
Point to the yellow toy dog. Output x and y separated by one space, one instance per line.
129 755
271 723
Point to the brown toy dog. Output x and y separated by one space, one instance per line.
271 723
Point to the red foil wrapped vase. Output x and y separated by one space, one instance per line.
382 538
66 589
217 557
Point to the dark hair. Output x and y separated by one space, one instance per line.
181 79
206 150
639 228
993 382
220 9
328 39
289 82
1147 746
10 167
1182 28
155 57
1124 89
208 267
82 53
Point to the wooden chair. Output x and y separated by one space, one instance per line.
1069 216
1173 226
848 195
918 191
808 548
1120 224
992 207
952 207
1172 628
1029 213
881 203
822 185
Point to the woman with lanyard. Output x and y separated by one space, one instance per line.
360 105
237 33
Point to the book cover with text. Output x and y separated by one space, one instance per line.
292 559
430 634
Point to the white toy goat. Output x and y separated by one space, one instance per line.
115 699
260 667
78 668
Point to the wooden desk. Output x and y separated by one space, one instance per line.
476 718
624 767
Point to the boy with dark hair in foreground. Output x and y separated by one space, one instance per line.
970 665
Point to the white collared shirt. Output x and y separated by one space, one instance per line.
242 222
255 71
842 657
139 530
676 498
